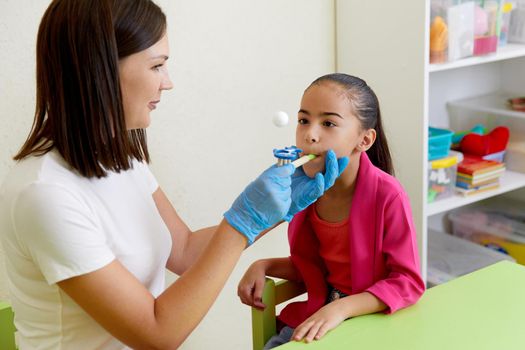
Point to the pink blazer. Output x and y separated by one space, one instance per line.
383 248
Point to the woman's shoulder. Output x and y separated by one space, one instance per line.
47 168
36 174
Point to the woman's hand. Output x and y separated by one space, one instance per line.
305 190
326 318
263 203
251 285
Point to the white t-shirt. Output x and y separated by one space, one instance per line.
56 224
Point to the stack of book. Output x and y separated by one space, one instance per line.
476 175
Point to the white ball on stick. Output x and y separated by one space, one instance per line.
280 119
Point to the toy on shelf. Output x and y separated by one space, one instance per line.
482 145
458 136
438 40
505 23
517 103
487 17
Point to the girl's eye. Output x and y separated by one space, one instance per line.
157 67
328 123
302 121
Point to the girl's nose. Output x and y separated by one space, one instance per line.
312 137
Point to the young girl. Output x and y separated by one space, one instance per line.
355 248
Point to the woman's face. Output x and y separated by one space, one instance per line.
326 121
143 76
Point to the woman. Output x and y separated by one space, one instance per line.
86 229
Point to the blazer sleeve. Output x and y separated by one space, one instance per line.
403 284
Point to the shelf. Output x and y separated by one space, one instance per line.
509 181
504 53
495 104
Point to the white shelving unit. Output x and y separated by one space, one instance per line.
495 104
387 44
509 181
509 51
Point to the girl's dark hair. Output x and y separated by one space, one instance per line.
366 108
79 107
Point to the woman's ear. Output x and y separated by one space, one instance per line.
368 139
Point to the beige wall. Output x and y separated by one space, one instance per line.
233 63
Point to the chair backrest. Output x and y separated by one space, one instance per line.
264 321
7 327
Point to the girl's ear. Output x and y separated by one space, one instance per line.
368 139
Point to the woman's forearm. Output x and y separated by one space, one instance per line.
195 245
184 303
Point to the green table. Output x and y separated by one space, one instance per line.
482 310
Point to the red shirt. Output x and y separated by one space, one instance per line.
333 248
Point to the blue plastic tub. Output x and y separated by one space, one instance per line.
439 142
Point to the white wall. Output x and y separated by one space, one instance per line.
233 63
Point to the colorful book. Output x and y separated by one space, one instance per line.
475 165
481 177
479 189
468 184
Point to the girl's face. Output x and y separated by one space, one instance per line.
326 121
143 76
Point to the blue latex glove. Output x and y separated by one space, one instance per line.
263 203
306 190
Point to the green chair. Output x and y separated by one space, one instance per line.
7 327
264 322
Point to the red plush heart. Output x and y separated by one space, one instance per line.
481 145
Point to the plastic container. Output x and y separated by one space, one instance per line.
505 23
500 229
487 18
515 157
442 176
450 257
439 142
517 25
438 31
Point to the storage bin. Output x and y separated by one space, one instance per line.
487 21
515 157
500 229
438 31
505 23
450 257
442 176
439 141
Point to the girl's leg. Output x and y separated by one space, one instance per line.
283 337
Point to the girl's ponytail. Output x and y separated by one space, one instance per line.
379 153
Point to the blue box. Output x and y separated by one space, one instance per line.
439 142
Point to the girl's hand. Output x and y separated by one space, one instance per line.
326 318
251 286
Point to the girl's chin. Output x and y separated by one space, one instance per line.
311 168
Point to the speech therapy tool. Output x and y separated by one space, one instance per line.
290 154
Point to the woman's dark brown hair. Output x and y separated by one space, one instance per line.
366 108
79 109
